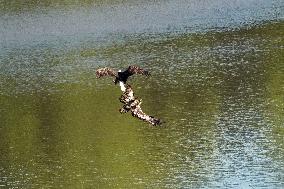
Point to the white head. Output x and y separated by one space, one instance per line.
119 71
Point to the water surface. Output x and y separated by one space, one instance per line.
217 82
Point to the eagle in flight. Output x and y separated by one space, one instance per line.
131 103
121 75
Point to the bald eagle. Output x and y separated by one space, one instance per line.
131 103
121 76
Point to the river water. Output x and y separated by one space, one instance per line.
217 83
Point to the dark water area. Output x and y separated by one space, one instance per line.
217 81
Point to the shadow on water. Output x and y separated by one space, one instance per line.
220 93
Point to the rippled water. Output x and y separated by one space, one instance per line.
217 82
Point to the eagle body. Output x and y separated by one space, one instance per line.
122 77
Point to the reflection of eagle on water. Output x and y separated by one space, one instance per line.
127 98
133 104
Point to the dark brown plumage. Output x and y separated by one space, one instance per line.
121 76
105 72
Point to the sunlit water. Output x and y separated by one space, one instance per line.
217 82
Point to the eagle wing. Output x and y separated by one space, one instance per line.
105 72
137 70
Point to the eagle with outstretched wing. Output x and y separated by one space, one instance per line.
121 76
131 103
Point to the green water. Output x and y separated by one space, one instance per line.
220 91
